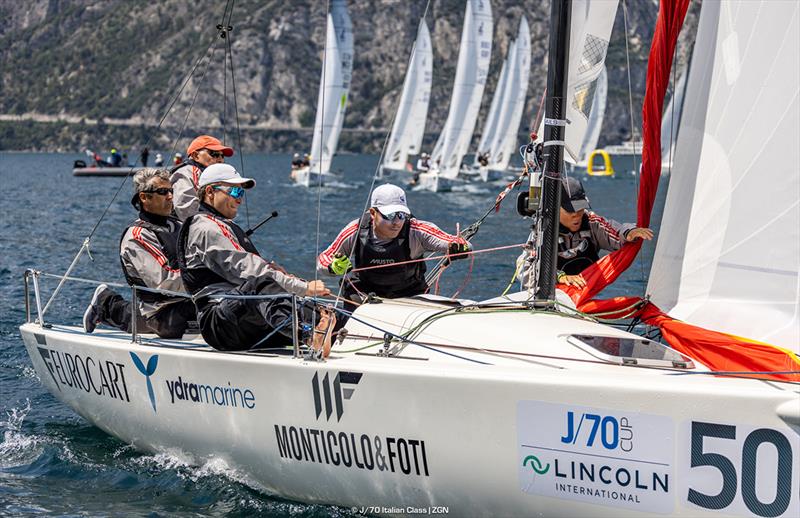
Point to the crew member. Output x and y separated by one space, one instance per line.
386 234
581 236
218 258
202 152
148 252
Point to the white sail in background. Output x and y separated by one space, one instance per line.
507 137
333 87
728 254
473 67
589 37
409 123
499 103
592 135
671 120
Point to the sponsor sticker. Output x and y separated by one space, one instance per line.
596 455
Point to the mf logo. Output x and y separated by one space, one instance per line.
148 371
331 395
536 464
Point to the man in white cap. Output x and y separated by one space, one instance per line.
218 258
387 233
201 153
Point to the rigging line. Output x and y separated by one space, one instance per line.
194 100
633 134
238 124
438 257
321 112
222 29
376 174
406 340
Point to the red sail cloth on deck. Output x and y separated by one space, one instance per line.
718 351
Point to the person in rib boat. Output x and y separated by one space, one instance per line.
148 252
204 151
218 260
385 234
581 235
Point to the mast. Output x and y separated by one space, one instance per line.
557 67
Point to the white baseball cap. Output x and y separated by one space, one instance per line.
217 173
389 198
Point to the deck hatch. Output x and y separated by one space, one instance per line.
631 351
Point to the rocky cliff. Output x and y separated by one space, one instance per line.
80 73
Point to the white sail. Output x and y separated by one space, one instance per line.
333 87
473 67
589 37
596 116
729 248
499 104
506 138
409 123
671 122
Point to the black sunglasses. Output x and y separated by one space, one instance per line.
163 191
214 154
393 215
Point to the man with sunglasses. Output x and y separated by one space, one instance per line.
386 234
148 253
202 152
218 258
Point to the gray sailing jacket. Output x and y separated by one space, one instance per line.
604 234
184 190
143 258
211 243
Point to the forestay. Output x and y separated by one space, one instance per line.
473 67
333 87
409 124
728 252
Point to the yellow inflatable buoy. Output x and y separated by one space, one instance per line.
607 170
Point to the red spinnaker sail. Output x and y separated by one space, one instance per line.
718 351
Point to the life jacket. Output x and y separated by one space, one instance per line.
403 280
167 235
197 278
572 260
197 170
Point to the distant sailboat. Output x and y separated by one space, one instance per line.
596 116
409 123
670 124
334 87
473 67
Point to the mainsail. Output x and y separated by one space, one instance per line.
409 123
473 66
589 37
333 87
596 116
499 103
729 247
506 136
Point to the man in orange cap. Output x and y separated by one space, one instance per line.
201 153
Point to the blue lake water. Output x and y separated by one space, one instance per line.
54 462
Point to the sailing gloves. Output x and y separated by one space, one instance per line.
458 248
340 265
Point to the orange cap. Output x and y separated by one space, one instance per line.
208 142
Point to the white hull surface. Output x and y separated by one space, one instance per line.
434 182
105 171
509 416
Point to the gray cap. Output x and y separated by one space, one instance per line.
573 197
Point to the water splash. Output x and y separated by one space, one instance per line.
18 448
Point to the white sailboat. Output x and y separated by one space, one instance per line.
727 258
499 139
596 117
473 66
409 123
493 409
334 87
